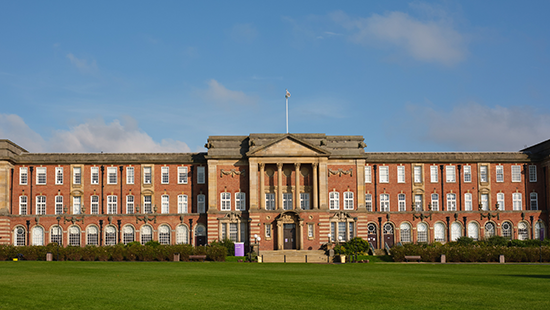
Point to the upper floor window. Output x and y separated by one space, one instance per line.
400 174
304 201
240 201
111 204
41 205
129 175
182 204
200 175
41 175
401 202
129 204
270 201
451 202
182 175
58 175
434 177
334 200
435 202
111 175
164 175
368 174
384 174
58 204
348 200
76 205
287 201
500 201
417 174
368 202
384 202
23 205
534 201
23 175
95 175
500 173
483 174
485 202
77 175
532 173
468 202
147 204
201 203
146 175
225 199
467 174
418 205
450 174
516 201
94 204
165 204
516 173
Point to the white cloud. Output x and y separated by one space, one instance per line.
217 93
92 136
475 127
244 33
429 41
82 64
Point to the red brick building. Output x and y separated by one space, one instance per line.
294 191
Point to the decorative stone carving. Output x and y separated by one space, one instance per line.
340 171
231 172
231 217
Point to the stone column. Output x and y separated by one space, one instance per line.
297 186
261 198
279 186
253 184
323 184
315 190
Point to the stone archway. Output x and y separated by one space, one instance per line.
290 228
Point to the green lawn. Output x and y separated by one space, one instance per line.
141 285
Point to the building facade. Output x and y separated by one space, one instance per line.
294 191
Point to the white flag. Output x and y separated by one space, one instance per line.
287 94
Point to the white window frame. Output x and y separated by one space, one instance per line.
146 234
418 203
483 174
500 201
58 175
201 203
435 202
164 234
268 230
417 170
450 174
112 204
439 232
147 175
182 234
270 201
130 175
287 201
304 201
517 202
400 174
164 204
402 202
130 204
183 204
532 173
368 174
484 202
405 233
23 175
368 202
112 172
77 175
37 236
164 175
40 202
147 204
348 200
334 200
516 173
384 202
94 205
533 201
240 201
225 201
310 233
94 175
182 175
77 203
422 233
467 174
201 171
23 205
41 175
384 176
451 202
58 204
499 169
434 174
468 204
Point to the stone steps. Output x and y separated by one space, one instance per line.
294 256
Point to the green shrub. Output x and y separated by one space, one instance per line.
465 240
228 244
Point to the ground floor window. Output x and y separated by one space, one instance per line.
74 236
146 234
92 236
128 235
38 236
20 236
473 230
56 235
405 232
439 232
489 230
110 235
523 233
422 233
182 234
456 231
164 234
507 230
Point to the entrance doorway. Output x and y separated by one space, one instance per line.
372 237
388 234
289 235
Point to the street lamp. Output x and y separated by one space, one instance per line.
258 239
61 234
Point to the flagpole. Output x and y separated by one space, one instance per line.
286 114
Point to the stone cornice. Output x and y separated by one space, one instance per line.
109 158
448 157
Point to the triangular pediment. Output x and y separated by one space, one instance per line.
288 146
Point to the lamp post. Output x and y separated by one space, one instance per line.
258 239
61 234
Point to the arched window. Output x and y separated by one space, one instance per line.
422 232
538 230
489 230
38 235
182 204
182 234
146 234
91 235
19 236
128 235
456 231
405 229
507 230
164 234
56 235
74 236
110 235
473 230
439 232
523 233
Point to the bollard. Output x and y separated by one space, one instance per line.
176 257
443 258
501 259
49 257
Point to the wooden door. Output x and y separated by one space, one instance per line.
289 236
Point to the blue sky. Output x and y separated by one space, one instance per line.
135 76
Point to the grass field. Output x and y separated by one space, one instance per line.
141 285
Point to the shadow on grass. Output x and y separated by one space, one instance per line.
536 276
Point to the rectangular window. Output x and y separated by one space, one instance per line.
233 232
304 201
182 175
332 231
201 203
334 200
182 204
516 173
77 175
111 175
402 202
76 205
485 202
417 174
368 202
451 202
450 174
41 175
384 202
467 174
532 173
500 173
111 204
516 199
164 176
268 230
400 174
368 174
468 202
310 230
94 205
351 231
287 201
58 175
225 200
23 205
95 175
434 175
23 175
418 203
342 231
147 207
483 174
270 201
348 200
129 175
200 175
165 204
435 202
58 204
40 205
384 174
534 201
146 175
500 201
129 204
240 201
